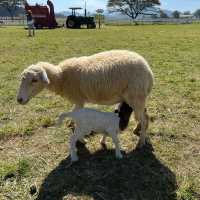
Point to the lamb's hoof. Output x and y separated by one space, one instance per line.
119 156
58 122
74 159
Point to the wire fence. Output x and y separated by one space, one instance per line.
153 21
21 21
15 21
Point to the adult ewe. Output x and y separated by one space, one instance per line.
105 78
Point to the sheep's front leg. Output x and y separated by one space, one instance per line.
117 146
138 128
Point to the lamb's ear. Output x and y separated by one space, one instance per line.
44 77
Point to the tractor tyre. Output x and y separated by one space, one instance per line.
90 26
70 23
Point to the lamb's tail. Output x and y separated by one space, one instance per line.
62 116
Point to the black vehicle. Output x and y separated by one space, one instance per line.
74 21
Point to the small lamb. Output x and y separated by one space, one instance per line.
88 120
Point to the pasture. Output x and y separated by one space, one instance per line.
33 153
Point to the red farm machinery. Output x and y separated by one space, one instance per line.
44 16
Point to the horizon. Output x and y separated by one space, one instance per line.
93 5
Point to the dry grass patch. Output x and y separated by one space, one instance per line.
34 155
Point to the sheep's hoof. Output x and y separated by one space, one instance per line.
137 130
103 145
148 146
71 124
140 144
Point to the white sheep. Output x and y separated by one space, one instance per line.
88 120
105 78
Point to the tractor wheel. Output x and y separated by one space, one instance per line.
70 23
89 26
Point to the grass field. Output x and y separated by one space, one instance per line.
33 153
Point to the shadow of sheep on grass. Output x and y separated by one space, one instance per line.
99 176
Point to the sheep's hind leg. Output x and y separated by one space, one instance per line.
138 103
141 117
138 128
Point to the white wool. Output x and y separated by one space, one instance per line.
88 120
106 78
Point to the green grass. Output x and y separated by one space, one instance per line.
35 153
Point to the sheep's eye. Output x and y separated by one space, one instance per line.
34 80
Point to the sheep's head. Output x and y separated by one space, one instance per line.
33 80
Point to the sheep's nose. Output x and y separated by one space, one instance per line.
20 100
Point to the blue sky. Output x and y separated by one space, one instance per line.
63 5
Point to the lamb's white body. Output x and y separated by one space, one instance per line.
88 120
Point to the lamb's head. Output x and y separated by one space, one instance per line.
33 80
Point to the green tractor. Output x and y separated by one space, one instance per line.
74 21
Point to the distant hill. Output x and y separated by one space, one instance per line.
113 16
64 13
120 17
109 16
116 17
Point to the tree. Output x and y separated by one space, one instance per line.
11 5
163 14
176 14
187 13
99 16
197 13
133 8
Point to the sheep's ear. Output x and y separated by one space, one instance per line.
44 77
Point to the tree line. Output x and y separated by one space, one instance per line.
131 8
177 14
11 6
134 8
